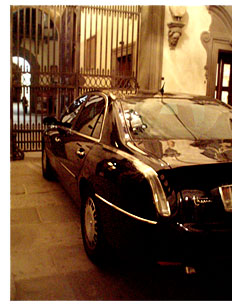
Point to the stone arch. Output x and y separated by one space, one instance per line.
24 25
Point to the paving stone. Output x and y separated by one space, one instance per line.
42 187
57 214
18 169
71 258
49 288
31 264
24 215
17 189
96 286
44 235
32 200
64 232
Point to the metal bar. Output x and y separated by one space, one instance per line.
24 65
112 36
54 36
18 34
117 40
106 56
114 8
71 41
132 43
18 96
90 42
38 137
42 40
24 40
137 48
30 50
65 39
26 139
60 40
122 45
85 39
36 34
96 34
127 39
48 43
101 43
21 135
77 47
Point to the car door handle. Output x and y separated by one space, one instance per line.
57 139
80 152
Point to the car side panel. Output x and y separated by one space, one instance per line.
117 181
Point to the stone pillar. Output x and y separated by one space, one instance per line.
151 48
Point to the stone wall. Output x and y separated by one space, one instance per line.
184 66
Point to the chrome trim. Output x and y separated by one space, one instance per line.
198 201
67 169
132 146
226 196
85 136
97 140
124 211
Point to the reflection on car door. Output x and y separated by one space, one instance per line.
62 134
85 132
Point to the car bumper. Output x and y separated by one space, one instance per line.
167 241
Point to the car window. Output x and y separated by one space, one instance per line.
178 119
72 111
91 117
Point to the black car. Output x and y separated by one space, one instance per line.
151 171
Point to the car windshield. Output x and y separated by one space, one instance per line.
173 118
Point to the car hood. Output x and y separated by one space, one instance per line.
180 152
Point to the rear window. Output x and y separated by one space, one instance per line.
178 119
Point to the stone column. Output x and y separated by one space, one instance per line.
151 48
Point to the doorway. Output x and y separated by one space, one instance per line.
223 90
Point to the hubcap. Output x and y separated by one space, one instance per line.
91 223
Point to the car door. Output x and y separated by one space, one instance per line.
61 133
78 141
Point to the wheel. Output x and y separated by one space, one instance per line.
91 230
47 169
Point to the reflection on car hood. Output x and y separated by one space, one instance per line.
188 152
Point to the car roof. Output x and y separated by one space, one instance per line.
198 99
142 95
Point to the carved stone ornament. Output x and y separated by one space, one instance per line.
175 27
174 33
177 12
205 37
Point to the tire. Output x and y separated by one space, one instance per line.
47 170
92 233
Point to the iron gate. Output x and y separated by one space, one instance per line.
59 52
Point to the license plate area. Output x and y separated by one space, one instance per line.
226 196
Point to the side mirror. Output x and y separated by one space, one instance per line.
50 121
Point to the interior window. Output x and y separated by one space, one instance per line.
91 117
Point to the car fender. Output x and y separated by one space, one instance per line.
125 183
